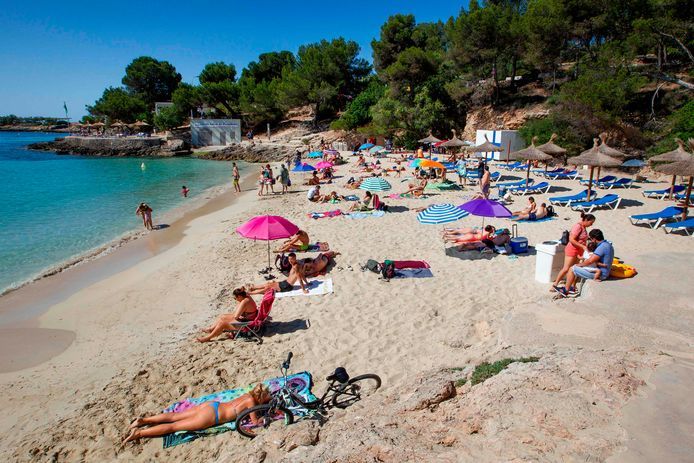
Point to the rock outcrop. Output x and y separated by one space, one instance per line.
115 147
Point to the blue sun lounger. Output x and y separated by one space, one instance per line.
542 188
545 173
621 183
511 166
682 197
519 183
664 193
605 179
607 201
686 225
656 219
571 175
520 167
567 200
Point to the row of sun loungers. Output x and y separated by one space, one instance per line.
610 181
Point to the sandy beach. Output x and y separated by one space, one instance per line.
86 351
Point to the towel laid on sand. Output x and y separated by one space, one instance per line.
315 288
544 219
322 215
300 383
365 214
414 273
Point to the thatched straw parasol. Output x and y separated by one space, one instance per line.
453 142
593 158
118 124
550 148
676 155
608 150
531 153
429 140
685 168
140 124
98 124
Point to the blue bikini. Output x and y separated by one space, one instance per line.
215 407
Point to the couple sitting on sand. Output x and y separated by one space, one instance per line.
532 212
473 238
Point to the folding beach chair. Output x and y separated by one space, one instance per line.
519 183
685 225
252 330
566 175
540 188
607 201
664 193
655 219
567 200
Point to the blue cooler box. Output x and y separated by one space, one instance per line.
519 245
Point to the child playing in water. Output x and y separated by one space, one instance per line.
184 191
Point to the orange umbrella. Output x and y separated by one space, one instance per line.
430 163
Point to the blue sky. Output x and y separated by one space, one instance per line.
70 51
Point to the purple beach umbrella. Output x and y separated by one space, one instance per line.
486 208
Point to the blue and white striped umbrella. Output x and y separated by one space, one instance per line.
374 184
441 213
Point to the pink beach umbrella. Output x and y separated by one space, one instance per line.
324 164
267 228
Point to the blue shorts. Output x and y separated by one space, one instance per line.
583 272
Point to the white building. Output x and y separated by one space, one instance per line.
509 140
215 132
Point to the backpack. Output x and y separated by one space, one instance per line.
388 270
372 265
282 263
564 237
550 211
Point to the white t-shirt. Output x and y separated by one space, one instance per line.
313 192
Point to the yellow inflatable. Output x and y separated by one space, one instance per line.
621 270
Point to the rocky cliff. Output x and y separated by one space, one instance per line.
116 147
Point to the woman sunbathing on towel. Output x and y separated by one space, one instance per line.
317 266
296 274
246 310
364 204
200 417
470 235
299 241
416 189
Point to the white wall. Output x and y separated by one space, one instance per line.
504 138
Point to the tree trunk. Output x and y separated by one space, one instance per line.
514 62
495 76
315 115
660 56
674 80
554 77
682 46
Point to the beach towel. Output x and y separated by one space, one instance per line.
544 219
315 288
313 247
412 264
414 273
300 383
362 215
407 196
351 198
322 215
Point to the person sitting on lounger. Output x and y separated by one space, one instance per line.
200 417
299 241
364 204
318 265
246 310
296 275
540 213
417 189
532 207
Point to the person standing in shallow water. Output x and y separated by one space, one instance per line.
144 211
237 177
184 191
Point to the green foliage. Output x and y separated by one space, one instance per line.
325 75
168 118
151 80
119 104
486 370
680 125
269 66
358 112
461 382
217 72
10 119
187 98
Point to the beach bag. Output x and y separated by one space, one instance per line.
282 263
372 265
388 270
564 237
550 211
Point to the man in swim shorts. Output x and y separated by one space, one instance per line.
296 274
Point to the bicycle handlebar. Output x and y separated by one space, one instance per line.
286 363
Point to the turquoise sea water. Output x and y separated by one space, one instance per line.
56 207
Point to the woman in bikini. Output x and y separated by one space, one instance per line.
246 310
145 212
317 266
200 417
469 236
298 242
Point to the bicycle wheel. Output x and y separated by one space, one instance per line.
356 388
266 416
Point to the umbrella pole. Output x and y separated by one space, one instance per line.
672 186
686 198
527 175
590 182
599 169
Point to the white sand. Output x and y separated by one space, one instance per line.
134 351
